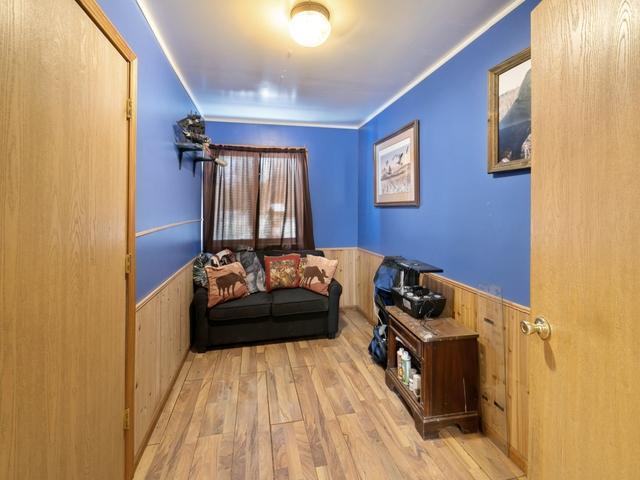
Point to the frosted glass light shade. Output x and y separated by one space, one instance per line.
309 24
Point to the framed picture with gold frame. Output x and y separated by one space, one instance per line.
396 168
510 114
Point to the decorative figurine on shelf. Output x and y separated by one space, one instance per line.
190 137
191 129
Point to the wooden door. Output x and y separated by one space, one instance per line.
65 228
585 275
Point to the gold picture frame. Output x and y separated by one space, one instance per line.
509 136
396 168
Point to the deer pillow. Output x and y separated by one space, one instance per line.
318 273
227 282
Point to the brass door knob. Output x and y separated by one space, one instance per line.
539 326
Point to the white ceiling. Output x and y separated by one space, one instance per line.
238 62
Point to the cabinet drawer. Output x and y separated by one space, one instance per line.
406 338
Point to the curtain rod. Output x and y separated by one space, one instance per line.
256 148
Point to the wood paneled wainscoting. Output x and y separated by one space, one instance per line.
345 273
162 343
503 351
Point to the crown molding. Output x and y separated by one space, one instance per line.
445 58
282 123
165 49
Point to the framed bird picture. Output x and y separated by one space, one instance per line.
396 169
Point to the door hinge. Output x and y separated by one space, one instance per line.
127 263
129 108
126 423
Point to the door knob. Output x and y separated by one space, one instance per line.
539 326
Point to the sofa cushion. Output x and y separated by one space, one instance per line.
297 300
254 306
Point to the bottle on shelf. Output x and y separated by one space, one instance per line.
416 384
406 367
399 362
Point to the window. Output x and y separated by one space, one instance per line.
260 199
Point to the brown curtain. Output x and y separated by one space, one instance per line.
230 196
260 199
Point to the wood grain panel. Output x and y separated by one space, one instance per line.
169 458
345 273
493 394
585 238
367 264
517 378
162 341
252 456
220 413
506 383
212 458
291 452
63 195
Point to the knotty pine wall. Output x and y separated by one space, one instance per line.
345 273
497 323
162 342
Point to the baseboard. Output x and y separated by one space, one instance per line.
502 444
517 458
363 313
496 438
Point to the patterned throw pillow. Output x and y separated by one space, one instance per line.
227 282
282 272
302 266
318 273
199 275
255 272
225 257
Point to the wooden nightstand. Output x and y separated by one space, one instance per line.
445 353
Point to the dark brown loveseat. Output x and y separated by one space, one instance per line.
280 314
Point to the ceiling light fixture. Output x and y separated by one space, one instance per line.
309 24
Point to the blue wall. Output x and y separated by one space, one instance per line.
474 225
333 172
164 194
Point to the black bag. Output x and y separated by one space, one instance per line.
378 345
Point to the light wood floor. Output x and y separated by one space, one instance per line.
307 409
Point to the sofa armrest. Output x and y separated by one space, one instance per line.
335 290
199 323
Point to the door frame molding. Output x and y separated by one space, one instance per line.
99 18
